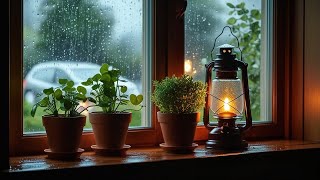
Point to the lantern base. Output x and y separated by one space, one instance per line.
226 145
226 136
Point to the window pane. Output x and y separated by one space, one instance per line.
250 21
71 39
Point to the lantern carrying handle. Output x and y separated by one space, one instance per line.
214 45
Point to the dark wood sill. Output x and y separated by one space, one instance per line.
276 158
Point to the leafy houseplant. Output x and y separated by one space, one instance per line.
63 122
179 100
110 125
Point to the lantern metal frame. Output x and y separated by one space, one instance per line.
227 134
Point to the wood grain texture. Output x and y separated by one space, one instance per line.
312 73
262 158
297 70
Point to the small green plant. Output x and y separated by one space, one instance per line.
179 94
107 93
65 98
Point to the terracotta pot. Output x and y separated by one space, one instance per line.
110 130
64 133
178 130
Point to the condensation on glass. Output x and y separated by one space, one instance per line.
227 95
71 39
251 23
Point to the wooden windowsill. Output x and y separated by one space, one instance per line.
260 157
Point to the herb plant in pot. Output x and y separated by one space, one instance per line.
110 124
179 100
63 122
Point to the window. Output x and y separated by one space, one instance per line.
253 23
82 34
249 21
161 53
71 39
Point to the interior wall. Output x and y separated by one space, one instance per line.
312 71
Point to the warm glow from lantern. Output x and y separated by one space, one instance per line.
187 66
226 105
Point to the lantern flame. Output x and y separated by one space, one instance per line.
226 105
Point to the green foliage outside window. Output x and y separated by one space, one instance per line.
246 26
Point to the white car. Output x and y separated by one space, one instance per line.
46 75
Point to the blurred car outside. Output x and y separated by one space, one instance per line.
47 74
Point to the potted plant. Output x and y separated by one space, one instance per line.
179 100
63 121
110 124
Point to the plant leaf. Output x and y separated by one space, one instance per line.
105 77
44 102
230 5
69 89
104 68
67 104
88 82
81 97
48 91
115 72
241 5
70 83
82 90
123 89
243 25
256 14
240 12
114 79
244 17
34 109
63 81
232 21
96 77
136 100
96 86
58 94
133 99
139 98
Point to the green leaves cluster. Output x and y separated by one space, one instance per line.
66 98
107 93
179 94
246 25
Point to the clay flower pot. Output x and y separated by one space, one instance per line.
110 130
178 130
64 133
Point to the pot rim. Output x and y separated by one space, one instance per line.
178 113
62 116
101 112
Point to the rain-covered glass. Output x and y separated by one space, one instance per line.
250 22
71 39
